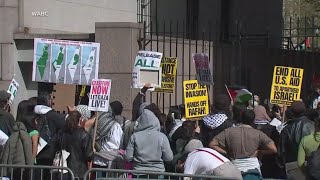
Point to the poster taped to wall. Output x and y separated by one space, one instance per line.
286 85
67 62
145 59
99 95
169 73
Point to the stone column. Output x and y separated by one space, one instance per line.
119 47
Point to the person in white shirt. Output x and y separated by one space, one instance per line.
108 139
206 161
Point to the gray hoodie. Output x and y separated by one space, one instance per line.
148 147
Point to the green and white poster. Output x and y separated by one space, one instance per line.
13 89
67 62
145 59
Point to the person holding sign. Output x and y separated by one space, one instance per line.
108 138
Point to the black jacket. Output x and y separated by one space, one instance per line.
52 120
208 134
271 167
79 144
291 136
7 122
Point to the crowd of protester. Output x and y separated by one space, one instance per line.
236 140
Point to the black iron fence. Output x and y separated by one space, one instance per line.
246 60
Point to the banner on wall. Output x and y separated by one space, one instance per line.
169 73
196 99
286 85
63 61
99 95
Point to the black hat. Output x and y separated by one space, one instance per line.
222 102
4 95
116 107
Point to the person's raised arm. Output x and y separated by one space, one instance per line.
138 100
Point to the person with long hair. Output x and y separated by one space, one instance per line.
31 122
78 142
23 109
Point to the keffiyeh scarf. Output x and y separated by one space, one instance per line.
214 120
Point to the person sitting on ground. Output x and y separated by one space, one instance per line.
242 144
206 161
148 148
218 120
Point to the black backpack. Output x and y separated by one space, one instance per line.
313 165
44 130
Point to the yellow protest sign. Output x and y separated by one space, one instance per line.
169 72
196 99
83 90
286 85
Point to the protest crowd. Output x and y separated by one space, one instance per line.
239 140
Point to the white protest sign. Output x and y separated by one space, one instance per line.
150 75
13 88
145 59
99 95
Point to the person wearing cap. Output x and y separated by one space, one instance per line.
7 121
205 161
291 135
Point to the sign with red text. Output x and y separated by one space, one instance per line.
99 95
201 61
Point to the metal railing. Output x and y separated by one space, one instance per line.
123 174
36 172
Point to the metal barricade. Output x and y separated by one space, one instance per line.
117 174
34 172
